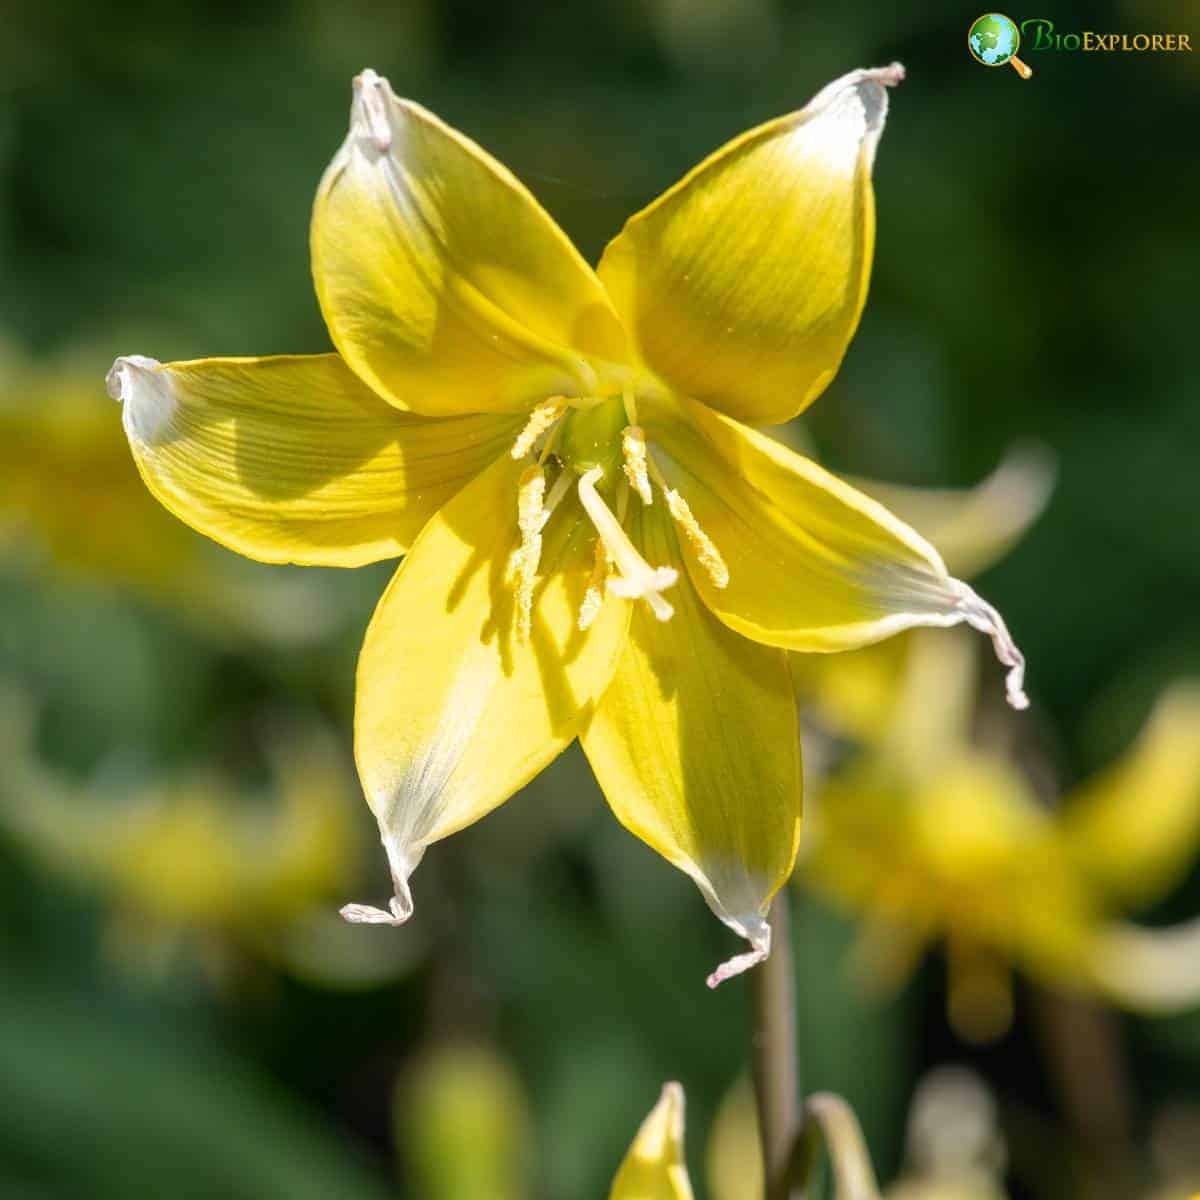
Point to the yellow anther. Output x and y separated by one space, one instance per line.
633 449
593 598
709 556
541 419
531 517
681 512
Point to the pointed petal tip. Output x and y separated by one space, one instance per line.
672 1106
669 1108
369 112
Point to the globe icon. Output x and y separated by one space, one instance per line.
994 40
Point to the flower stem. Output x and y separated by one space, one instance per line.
776 1078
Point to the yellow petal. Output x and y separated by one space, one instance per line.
742 285
654 1168
974 527
444 283
292 459
813 564
454 711
1134 828
697 749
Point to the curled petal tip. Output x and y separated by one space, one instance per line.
122 374
402 863
758 932
145 394
396 913
889 76
735 966
980 615
370 110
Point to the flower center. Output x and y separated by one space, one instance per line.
597 444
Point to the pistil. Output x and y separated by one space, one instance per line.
636 578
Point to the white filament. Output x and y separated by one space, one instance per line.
636 578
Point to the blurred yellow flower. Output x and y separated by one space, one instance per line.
464 1126
931 837
654 1168
190 854
566 458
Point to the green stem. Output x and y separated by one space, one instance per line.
776 1078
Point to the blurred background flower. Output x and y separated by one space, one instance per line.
935 838
1033 284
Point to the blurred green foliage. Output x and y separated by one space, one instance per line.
1035 280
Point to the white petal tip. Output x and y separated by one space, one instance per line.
146 395
370 114
889 76
758 933
735 966
980 615
365 914
122 375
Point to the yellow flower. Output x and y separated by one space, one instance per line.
598 545
188 854
654 1168
930 837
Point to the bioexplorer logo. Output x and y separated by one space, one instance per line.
994 40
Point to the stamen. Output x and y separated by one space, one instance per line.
542 417
593 598
706 550
637 579
531 518
709 556
633 448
